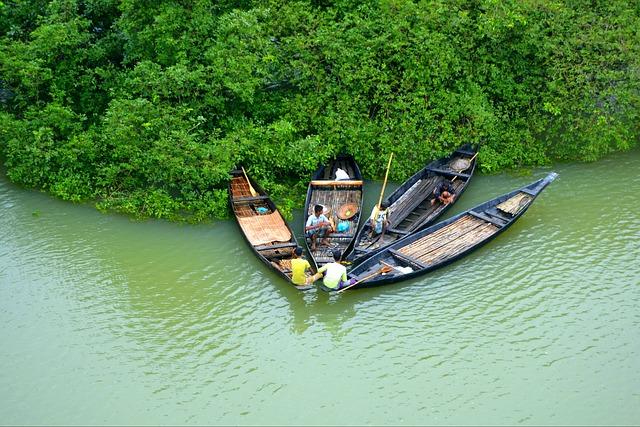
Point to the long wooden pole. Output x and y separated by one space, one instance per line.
254 193
384 184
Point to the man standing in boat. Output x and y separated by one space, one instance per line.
379 219
317 226
444 193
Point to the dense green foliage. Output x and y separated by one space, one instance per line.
145 105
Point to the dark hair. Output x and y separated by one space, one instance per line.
318 209
337 255
298 251
384 205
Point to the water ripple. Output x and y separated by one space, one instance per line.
538 326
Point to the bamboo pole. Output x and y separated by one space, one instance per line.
384 184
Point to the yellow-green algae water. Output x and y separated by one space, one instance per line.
105 320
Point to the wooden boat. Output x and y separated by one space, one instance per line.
449 240
342 198
262 225
410 207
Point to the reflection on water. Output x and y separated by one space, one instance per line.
109 320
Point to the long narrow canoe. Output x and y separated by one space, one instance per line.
342 198
410 207
448 240
262 225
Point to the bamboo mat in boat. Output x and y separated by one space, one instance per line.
450 240
515 204
240 187
263 229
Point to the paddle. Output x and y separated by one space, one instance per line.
382 270
254 193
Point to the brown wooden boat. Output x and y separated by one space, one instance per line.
262 225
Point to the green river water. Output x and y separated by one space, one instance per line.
107 320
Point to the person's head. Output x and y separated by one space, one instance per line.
298 252
384 205
337 255
317 210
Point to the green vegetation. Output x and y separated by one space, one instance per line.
144 106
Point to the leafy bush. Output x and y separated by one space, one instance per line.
143 107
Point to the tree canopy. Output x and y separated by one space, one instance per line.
144 106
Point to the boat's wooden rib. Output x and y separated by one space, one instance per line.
449 240
262 226
410 205
324 189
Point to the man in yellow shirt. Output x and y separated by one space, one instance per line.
299 267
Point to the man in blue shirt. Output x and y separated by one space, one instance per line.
317 225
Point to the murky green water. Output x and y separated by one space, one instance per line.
108 320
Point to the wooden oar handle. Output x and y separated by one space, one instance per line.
251 189
460 170
380 271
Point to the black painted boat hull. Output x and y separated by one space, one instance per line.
326 190
417 204
424 243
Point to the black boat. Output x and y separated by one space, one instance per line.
262 225
448 240
410 207
338 188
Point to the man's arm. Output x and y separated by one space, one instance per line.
308 225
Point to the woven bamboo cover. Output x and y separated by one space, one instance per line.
263 229
515 204
240 187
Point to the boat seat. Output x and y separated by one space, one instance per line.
277 246
465 152
397 231
529 192
249 199
339 236
487 218
406 258
337 183
449 172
